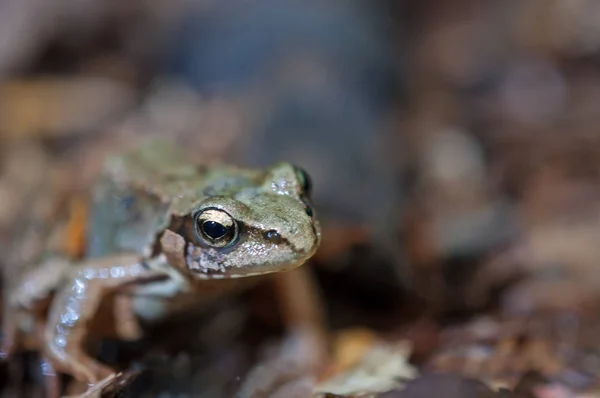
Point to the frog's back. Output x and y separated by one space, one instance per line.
131 200
140 190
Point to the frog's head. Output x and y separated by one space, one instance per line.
253 224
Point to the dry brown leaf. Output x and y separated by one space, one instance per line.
382 368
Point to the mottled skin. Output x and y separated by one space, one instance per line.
162 232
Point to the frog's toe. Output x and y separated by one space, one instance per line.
96 389
93 373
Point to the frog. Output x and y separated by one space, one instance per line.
162 233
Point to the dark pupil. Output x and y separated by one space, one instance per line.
213 229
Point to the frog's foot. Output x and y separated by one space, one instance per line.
81 366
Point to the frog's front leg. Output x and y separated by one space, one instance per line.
304 352
77 304
302 307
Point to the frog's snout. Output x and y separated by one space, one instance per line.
307 242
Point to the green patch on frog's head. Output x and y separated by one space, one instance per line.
262 227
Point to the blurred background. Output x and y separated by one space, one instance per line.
453 146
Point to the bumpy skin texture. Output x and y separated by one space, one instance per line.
155 234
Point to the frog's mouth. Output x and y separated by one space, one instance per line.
263 271
205 263
258 270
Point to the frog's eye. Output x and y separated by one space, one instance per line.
216 228
304 179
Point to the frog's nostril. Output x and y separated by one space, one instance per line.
273 236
